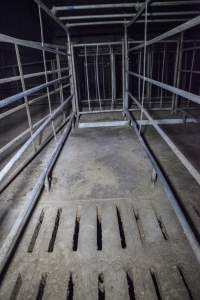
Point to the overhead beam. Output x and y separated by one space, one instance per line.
185 26
130 15
50 14
139 13
121 5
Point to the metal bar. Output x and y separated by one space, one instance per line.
20 136
11 241
167 121
24 89
129 15
191 69
139 13
97 77
172 89
122 5
170 194
45 68
50 14
14 160
73 82
60 85
174 31
192 170
19 107
28 76
103 124
87 79
177 84
94 23
35 45
163 73
126 68
9 100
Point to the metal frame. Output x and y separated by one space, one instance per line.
73 113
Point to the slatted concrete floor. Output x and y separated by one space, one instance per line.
129 247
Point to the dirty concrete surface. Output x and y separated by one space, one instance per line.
104 231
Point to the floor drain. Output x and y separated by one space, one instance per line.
185 282
76 232
55 230
42 286
155 283
131 290
70 289
101 287
36 233
99 231
17 287
121 229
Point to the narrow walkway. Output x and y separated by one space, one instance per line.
104 231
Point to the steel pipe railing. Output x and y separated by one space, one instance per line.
187 95
13 161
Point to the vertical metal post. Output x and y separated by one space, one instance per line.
97 77
191 71
126 69
72 71
45 68
162 76
103 75
123 72
24 89
60 83
177 75
87 79
139 72
113 78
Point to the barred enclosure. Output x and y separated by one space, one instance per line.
99 152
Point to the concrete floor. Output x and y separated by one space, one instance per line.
104 231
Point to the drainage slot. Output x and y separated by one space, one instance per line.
42 286
70 289
36 233
121 229
99 231
55 230
101 287
76 232
17 287
139 225
131 290
162 228
185 282
155 283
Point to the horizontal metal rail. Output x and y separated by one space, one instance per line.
187 95
34 45
185 26
27 76
9 245
20 136
21 106
9 166
168 190
192 170
16 97
128 15
56 9
94 23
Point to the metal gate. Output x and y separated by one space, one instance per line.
99 69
